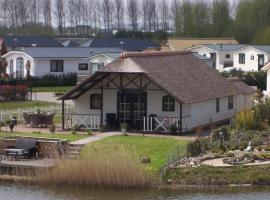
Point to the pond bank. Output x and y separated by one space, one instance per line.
208 175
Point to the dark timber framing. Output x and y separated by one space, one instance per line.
108 81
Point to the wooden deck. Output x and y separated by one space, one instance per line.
26 167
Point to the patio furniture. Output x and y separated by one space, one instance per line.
48 119
36 120
24 148
41 119
26 118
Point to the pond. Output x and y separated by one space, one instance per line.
21 192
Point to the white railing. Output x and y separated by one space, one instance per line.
18 113
82 121
163 123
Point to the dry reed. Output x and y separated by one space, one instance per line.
99 168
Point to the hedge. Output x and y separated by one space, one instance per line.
13 92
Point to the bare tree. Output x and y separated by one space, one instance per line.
46 12
107 11
175 10
59 14
164 12
133 13
144 7
119 12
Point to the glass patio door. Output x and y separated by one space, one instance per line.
131 108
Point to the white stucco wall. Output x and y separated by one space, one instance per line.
71 65
268 82
250 65
194 115
41 66
220 56
99 59
14 56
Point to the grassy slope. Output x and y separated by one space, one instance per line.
157 148
23 104
206 175
52 89
70 137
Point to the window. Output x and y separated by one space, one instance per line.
83 66
230 102
11 67
228 56
168 103
217 105
57 65
95 101
20 67
242 58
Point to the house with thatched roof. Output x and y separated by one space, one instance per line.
154 91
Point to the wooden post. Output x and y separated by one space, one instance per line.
63 114
181 118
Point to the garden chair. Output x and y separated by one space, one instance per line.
36 120
48 120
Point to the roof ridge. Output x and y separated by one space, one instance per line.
153 53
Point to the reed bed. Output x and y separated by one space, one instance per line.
100 168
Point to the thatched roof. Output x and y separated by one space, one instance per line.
179 73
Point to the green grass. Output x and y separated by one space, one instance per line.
70 137
156 148
23 104
52 89
206 175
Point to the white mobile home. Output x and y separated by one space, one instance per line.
58 60
251 58
221 54
150 91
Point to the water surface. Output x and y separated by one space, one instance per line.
21 192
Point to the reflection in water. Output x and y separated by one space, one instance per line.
21 192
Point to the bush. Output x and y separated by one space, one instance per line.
197 147
173 129
13 92
245 120
251 78
49 80
215 134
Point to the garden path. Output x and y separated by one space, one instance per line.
218 163
95 138
49 97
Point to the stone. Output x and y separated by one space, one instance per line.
145 159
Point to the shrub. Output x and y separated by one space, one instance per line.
73 131
215 134
89 131
245 120
13 92
173 129
52 128
197 147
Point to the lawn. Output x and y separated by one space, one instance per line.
70 137
156 148
23 104
52 89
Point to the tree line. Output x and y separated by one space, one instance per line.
247 20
